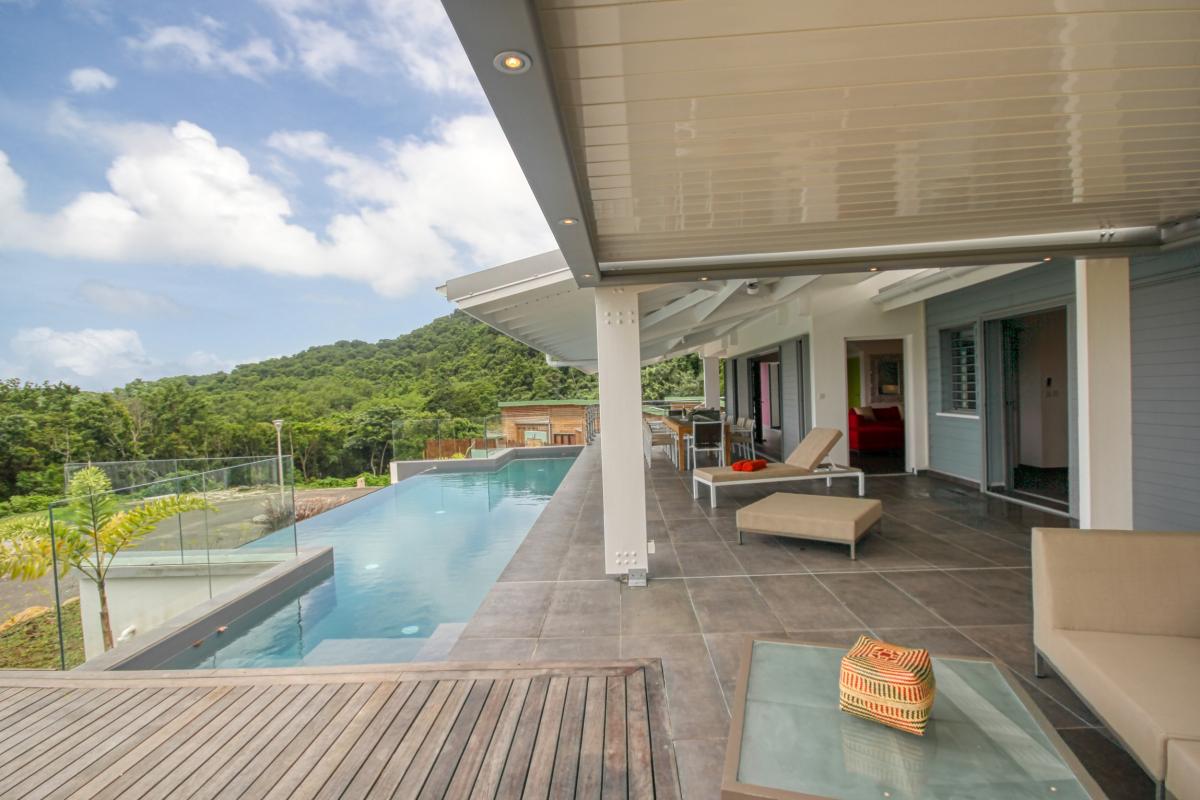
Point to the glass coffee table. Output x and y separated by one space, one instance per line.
985 739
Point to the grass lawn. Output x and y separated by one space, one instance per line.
33 644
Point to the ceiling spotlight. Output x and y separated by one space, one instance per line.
587 274
511 62
1047 258
568 221
872 269
703 277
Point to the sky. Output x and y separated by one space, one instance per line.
188 186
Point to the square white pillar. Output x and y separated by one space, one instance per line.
1105 388
618 353
712 381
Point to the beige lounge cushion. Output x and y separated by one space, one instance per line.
1144 687
806 516
1183 769
1116 581
813 448
729 475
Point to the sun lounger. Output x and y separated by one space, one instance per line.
843 520
806 463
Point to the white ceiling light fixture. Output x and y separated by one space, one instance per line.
512 62
568 221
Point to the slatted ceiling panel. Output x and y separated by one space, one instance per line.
702 127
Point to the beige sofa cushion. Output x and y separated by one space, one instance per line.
1116 581
1144 687
1183 769
834 519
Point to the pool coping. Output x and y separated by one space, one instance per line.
151 649
402 470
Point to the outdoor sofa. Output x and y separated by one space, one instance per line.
1117 616
806 463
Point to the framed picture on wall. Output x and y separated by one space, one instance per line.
887 377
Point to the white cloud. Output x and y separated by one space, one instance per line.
430 209
91 79
125 300
201 49
418 35
88 353
97 358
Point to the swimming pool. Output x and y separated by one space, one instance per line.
407 558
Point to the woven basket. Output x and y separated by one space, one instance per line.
887 683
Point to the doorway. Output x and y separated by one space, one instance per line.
766 403
875 413
1027 408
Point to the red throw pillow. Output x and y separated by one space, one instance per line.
756 465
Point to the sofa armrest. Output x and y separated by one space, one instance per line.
1115 582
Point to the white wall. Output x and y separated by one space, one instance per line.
834 310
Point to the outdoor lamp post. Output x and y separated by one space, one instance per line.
279 455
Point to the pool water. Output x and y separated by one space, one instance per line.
407 558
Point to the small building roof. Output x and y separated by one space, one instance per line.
524 403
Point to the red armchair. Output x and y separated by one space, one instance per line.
882 430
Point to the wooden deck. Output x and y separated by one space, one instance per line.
407 731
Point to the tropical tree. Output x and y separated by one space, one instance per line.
86 534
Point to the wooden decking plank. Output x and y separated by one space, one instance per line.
637 736
307 758
307 702
435 741
43 763
215 737
492 766
319 772
516 766
266 774
45 751
541 762
591 745
570 734
338 782
450 755
15 708
168 754
666 777
29 717
378 758
242 735
393 772
19 740
113 752
90 757
478 742
616 771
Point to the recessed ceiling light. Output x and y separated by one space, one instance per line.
1047 258
703 277
511 62
587 274
568 221
872 269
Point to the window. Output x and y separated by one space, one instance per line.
958 370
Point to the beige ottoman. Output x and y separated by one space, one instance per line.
804 516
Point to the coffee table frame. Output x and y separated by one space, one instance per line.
732 789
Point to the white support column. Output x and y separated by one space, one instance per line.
1105 388
618 352
712 382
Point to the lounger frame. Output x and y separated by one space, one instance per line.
825 472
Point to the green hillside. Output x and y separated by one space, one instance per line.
339 401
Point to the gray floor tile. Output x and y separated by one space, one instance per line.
692 531
694 698
802 604
510 610
1117 773
661 607
938 641
582 562
730 605
956 602
591 608
492 650
878 603
663 563
587 648
761 555
700 560
700 762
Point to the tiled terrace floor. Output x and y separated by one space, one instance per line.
950 571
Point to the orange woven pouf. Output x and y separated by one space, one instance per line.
887 683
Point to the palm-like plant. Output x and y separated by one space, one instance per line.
86 534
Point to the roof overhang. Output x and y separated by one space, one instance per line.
776 138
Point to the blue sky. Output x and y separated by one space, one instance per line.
187 186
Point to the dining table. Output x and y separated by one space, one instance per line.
682 427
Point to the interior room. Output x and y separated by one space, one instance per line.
875 405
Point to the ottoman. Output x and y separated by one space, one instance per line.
804 516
